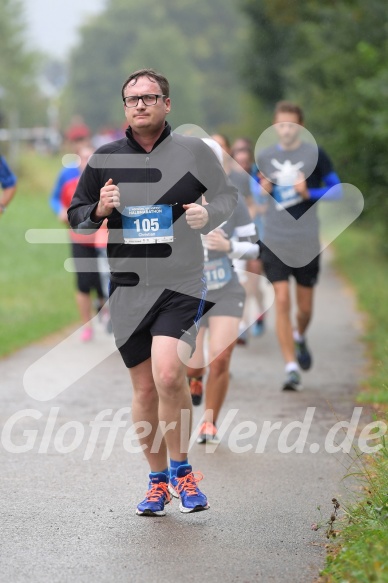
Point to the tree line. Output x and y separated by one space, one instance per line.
228 62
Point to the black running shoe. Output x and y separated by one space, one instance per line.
303 355
293 382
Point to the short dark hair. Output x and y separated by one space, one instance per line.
289 107
150 74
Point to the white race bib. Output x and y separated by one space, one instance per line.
148 224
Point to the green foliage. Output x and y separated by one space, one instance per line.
37 294
267 53
360 551
360 258
343 73
330 57
18 68
194 45
252 123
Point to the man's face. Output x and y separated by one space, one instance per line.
142 118
287 126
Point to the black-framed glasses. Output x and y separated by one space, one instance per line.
149 99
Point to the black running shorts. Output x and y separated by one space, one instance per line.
276 270
139 313
90 279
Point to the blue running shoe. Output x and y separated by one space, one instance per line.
184 486
303 355
258 327
156 497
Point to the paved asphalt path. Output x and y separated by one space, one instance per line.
65 519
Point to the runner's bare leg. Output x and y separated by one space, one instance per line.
304 299
283 320
145 406
222 330
169 374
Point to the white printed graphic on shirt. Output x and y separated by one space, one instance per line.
284 177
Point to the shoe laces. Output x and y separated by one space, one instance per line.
157 490
196 387
188 483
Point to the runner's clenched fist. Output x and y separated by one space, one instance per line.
196 215
109 200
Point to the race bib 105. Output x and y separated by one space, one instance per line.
147 224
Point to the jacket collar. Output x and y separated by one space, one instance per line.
136 146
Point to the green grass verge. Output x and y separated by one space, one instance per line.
360 551
359 256
37 294
359 554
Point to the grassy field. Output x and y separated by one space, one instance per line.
359 553
359 256
37 294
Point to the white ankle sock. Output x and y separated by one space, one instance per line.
298 337
290 366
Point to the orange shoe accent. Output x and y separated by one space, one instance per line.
196 387
189 483
196 390
153 494
208 428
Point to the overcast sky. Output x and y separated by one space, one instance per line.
53 23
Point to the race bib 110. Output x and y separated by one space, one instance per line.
218 273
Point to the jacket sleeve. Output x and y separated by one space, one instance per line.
85 200
219 192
